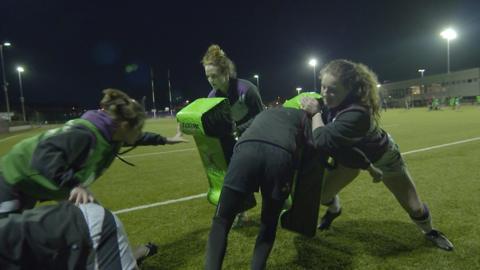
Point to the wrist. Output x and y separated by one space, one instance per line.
316 115
317 121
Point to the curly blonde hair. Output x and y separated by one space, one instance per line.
359 78
217 57
122 108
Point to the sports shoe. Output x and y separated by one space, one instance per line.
150 250
439 239
327 219
240 220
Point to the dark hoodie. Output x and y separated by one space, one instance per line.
47 237
245 102
350 127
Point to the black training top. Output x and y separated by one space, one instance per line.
351 127
46 237
60 156
287 128
245 102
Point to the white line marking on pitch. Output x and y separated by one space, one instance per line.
440 146
11 137
159 153
160 203
204 194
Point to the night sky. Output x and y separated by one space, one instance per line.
73 49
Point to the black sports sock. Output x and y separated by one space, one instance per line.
266 237
228 206
263 247
217 243
424 222
333 205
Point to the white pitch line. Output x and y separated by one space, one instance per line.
188 198
404 154
159 153
440 146
11 137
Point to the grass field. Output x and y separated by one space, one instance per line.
372 233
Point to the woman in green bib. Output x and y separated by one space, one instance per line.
61 163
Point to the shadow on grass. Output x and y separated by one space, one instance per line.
380 238
179 254
336 248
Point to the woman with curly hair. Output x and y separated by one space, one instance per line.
351 118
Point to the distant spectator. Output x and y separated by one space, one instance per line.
451 102
384 104
457 102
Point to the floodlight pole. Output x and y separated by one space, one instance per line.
258 81
22 98
448 34
4 79
154 109
170 93
298 90
313 63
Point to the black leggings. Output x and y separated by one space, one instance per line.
228 207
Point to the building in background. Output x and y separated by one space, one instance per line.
421 91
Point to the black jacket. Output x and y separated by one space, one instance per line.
47 237
245 102
351 128
287 128
59 156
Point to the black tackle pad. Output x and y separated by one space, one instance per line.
302 217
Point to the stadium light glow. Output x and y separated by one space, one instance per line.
4 79
449 34
20 69
422 70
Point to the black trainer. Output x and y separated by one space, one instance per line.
439 239
327 219
151 249
241 219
